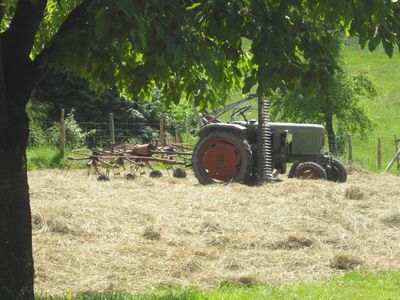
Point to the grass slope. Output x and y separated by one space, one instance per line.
385 108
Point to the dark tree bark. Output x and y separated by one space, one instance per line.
16 263
18 77
331 133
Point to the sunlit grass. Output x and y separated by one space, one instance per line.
44 157
384 109
383 285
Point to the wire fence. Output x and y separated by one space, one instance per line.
373 153
99 135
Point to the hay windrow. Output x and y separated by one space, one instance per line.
345 262
132 235
392 220
292 243
354 193
151 234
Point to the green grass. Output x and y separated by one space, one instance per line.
354 285
45 157
384 109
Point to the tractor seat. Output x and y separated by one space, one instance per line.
209 119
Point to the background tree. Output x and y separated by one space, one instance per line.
339 98
335 94
182 47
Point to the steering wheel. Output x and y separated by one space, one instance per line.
240 112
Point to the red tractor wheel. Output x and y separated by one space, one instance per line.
310 170
222 156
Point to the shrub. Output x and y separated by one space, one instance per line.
75 136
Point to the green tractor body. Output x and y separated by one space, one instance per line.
229 152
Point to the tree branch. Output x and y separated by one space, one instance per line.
76 20
1 10
22 74
19 38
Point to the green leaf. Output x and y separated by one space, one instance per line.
193 6
103 24
249 82
211 67
362 41
387 45
130 10
374 42
179 54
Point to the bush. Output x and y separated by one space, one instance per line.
75 136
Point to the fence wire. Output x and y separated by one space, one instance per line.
373 153
98 134
364 152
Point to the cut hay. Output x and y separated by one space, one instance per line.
354 193
134 235
291 243
151 234
345 262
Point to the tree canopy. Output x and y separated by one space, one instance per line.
194 48
180 47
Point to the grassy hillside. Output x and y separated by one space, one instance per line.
385 108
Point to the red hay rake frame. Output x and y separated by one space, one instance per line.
133 159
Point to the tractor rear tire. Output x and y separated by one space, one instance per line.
336 171
310 170
222 156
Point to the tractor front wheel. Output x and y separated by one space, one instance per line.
336 171
222 156
310 170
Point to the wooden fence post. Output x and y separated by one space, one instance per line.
162 134
111 128
177 136
379 153
396 141
62 133
350 149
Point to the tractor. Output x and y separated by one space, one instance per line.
228 152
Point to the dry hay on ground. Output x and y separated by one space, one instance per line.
132 235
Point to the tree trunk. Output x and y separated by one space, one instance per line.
16 262
331 133
18 77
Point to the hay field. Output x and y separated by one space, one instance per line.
134 235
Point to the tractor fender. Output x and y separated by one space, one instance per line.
234 128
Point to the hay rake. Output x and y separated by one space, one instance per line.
133 160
